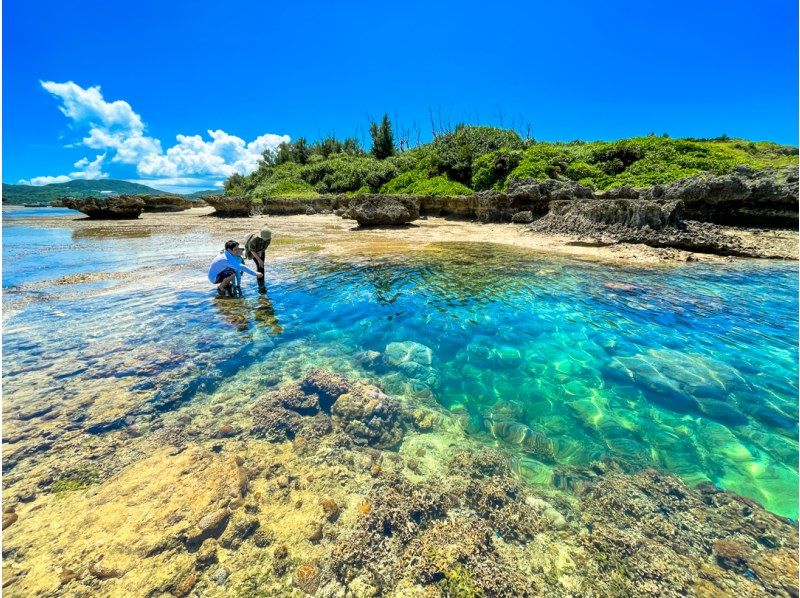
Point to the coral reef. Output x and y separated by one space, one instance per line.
369 416
364 413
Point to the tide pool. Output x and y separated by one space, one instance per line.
692 369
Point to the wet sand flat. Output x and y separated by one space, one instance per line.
330 234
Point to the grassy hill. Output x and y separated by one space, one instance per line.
45 194
479 158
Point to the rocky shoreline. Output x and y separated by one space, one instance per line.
684 215
693 214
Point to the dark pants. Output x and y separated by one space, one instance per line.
224 274
262 288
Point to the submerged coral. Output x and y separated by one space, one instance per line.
364 413
369 416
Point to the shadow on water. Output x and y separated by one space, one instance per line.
244 312
104 232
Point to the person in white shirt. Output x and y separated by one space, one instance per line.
225 267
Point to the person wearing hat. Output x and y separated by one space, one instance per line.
255 247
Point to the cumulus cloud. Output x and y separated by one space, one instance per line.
130 147
218 158
38 181
90 170
115 127
88 106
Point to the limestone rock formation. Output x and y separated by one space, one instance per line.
123 207
653 223
375 210
548 190
746 197
231 206
165 203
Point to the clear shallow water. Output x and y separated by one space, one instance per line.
692 369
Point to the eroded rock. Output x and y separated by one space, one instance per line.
231 205
373 210
123 207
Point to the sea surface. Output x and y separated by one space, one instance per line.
691 369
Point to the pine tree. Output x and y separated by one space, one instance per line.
382 138
300 151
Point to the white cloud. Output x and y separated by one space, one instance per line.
86 170
38 181
114 126
88 106
218 158
91 170
130 147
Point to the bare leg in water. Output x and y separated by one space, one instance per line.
225 285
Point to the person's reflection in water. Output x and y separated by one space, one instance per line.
238 311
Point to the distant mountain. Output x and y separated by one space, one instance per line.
203 193
45 194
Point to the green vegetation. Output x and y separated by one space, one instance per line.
17 195
382 138
75 479
470 159
459 583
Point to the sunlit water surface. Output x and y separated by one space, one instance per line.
693 369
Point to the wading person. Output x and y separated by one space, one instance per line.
227 267
256 249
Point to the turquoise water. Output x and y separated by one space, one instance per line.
692 369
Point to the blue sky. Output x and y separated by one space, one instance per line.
180 94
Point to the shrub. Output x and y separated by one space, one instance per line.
417 183
581 170
488 158
288 188
341 174
491 170
454 153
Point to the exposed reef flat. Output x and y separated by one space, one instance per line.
328 233
354 492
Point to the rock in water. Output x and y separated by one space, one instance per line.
123 207
372 210
369 416
307 578
408 351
